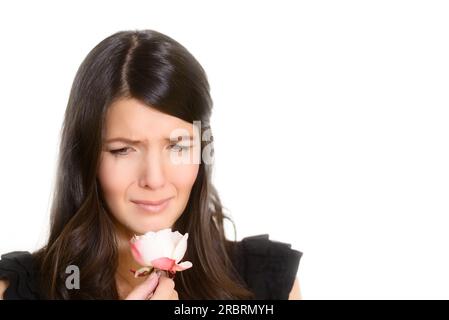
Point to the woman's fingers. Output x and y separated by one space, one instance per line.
155 287
143 290
165 290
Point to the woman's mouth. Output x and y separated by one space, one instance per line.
153 206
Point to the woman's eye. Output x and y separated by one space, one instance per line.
178 148
119 151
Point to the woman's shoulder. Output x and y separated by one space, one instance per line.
267 266
17 267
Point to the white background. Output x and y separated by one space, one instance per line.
330 122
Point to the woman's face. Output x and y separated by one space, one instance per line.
156 167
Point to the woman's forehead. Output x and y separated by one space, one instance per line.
134 120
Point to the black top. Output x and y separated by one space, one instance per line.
267 267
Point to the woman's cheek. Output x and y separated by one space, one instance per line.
114 176
184 176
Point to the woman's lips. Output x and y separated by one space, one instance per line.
153 207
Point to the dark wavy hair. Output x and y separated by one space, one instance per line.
158 71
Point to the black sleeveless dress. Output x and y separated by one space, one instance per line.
267 267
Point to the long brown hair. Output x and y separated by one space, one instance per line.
160 72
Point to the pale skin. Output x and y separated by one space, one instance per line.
144 170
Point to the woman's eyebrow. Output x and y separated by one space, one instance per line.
137 142
120 139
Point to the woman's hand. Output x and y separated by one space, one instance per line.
156 287
165 290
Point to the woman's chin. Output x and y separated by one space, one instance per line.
142 228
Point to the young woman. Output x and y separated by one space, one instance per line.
139 102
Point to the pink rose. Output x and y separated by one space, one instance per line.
162 250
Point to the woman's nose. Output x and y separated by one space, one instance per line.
152 173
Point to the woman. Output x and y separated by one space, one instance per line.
137 115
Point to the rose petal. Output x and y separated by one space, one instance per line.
180 249
182 266
176 236
163 241
136 252
156 245
163 263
